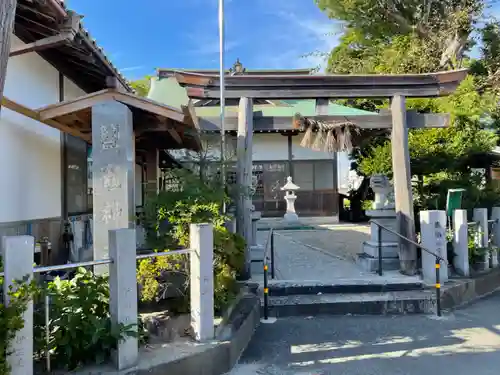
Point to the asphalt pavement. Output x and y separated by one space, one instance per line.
464 342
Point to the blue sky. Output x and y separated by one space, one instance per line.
140 36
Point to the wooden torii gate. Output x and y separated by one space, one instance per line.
323 88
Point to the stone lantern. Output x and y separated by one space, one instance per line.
290 198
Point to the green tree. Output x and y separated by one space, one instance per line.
141 86
416 36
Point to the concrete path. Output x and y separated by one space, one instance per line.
463 343
340 240
320 255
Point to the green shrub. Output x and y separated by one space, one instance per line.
80 325
167 218
11 317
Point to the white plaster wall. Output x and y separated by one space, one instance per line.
272 146
30 160
71 90
267 147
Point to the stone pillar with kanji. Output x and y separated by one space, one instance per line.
113 169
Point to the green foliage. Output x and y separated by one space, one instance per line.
367 205
167 218
11 316
476 253
141 86
415 37
80 325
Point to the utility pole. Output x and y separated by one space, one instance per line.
7 16
222 98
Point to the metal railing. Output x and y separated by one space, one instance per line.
437 257
268 257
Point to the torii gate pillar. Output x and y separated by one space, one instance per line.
402 185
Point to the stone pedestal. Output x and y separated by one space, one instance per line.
433 232
256 216
18 258
460 243
480 216
368 259
257 250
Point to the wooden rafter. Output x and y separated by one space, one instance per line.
65 35
87 101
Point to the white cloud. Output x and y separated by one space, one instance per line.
132 68
210 47
311 37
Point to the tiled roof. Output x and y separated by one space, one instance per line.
36 20
168 91
100 50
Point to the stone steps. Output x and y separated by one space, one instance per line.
280 289
386 303
348 296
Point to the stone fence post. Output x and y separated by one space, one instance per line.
495 215
433 233
480 215
201 242
123 293
18 259
461 242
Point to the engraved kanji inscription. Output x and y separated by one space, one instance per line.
111 211
109 136
110 178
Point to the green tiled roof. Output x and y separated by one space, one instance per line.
168 91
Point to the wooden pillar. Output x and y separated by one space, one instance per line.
152 165
290 155
7 16
322 105
244 177
402 185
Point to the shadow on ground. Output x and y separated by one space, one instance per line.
465 342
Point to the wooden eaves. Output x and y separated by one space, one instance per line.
204 86
74 116
65 35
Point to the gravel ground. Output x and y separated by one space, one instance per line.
462 343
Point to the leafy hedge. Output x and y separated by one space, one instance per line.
167 218
80 330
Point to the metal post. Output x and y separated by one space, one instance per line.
379 250
222 97
266 294
47 332
438 288
272 254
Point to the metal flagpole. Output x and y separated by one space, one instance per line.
222 97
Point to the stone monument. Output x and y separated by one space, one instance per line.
383 211
290 197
